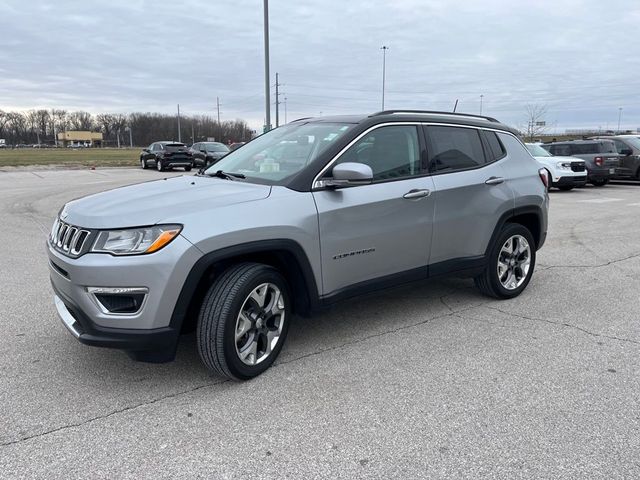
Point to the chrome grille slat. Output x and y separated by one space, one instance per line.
69 239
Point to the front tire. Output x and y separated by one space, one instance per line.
187 169
510 263
143 164
566 188
243 321
599 182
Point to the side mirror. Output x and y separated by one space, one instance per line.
626 152
348 174
146 150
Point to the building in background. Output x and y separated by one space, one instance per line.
80 139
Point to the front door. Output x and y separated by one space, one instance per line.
377 230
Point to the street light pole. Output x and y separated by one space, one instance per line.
267 89
384 49
619 117
481 104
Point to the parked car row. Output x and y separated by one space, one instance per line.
597 160
166 155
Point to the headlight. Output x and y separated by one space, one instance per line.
563 165
135 241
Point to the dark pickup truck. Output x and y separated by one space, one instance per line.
601 158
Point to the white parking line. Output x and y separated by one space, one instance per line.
600 200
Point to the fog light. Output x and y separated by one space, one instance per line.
119 300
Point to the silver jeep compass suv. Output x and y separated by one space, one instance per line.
310 213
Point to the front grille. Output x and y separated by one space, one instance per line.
69 239
578 167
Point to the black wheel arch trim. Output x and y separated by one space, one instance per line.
207 261
510 214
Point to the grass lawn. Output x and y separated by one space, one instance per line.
88 157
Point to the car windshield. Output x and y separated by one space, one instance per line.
215 147
282 152
537 150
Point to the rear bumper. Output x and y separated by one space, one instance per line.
600 173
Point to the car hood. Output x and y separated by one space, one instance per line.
559 158
151 202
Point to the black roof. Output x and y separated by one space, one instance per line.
414 116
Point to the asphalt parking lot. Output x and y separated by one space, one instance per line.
428 380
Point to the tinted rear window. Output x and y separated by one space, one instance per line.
595 147
495 146
454 148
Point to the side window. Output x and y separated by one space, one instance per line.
620 146
560 150
496 149
391 152
196 147
454 148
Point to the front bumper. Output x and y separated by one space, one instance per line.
571 181
161 340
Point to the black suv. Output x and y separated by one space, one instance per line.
166 155
208 153
600 156
628 146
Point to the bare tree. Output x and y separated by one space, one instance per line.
536 123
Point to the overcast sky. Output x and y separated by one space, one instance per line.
579 58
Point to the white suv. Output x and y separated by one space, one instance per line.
565 173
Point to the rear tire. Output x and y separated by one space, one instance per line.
519 268
243 321
159 165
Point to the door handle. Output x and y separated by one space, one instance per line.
494 180
411 194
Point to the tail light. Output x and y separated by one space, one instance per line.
544 176
599 161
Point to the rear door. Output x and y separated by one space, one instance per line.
471 193
628 163
384 228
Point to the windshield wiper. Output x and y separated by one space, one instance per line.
225 175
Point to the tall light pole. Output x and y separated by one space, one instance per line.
285 110
267 90
481 103
619 117
384 49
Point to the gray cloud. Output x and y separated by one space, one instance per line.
577 57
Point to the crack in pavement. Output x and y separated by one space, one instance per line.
600 265
211 384
114 412
563 324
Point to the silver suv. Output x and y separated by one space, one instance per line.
303 216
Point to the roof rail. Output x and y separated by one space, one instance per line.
433 112
298 119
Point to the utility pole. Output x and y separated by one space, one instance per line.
384 49
277 101
179 136
55 135
193 136
619 117
285 110
130 136
218 108
481 96
267 89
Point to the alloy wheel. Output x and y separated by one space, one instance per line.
259 324
514 261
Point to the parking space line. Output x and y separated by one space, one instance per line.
600 200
